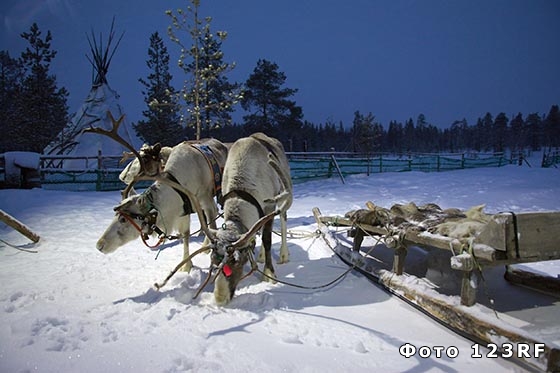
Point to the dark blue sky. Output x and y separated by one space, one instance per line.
446 59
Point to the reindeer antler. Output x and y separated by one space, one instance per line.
254 229
113 134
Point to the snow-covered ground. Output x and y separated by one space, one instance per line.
69 308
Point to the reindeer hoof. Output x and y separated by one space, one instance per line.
283 259
284 256
269 276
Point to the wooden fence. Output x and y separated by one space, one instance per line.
309 166
102 172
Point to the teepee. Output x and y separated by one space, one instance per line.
101 101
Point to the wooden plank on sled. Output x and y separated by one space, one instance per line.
18 226
525 237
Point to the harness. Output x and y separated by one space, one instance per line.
208 154
187 205
245 196
215 168
148 221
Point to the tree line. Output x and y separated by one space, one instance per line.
33 109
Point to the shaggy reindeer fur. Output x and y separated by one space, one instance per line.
468 226
256 181
191 170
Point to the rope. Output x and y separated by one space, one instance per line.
315 234
256 269
18 248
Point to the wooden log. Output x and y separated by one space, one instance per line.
547 284
18 226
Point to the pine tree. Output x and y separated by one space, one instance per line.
43 104
488 134
218 95
409 143
271 108
516 133
552 128
11 76
162 122
208 95
395 136
499 130
535 131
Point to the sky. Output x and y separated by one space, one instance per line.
449 60
69 308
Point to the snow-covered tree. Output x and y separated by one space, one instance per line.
162 114
207 95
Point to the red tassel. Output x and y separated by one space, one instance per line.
227 270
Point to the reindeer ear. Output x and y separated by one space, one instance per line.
124 204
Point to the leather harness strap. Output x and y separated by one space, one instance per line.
187 205
246 196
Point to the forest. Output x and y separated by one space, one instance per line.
33 109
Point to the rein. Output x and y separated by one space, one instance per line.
144 235
254 268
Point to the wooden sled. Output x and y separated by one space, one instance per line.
473 321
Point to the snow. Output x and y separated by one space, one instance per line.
69 308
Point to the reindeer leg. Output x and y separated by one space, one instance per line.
222 293
210 213
284 253
266 247
186 235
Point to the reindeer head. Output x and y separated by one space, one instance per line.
133 216
230 253
151 158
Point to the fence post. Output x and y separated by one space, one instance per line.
99 166
337 168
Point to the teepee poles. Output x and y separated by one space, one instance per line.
101 57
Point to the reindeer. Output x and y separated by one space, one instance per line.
188 183
256 186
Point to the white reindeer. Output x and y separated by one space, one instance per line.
167 207
256 186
